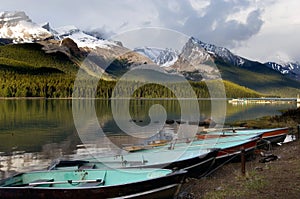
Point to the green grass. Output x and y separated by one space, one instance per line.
243 185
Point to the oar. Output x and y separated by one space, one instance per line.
64 182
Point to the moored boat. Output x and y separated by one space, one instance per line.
233 151
195 160
121 183
197 157
229 146
274 135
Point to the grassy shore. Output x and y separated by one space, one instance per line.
275 179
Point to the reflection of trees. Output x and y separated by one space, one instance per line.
252 111
29 124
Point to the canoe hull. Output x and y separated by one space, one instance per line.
162 187
276 136
233 154
196 166
272 135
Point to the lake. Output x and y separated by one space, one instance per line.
34 132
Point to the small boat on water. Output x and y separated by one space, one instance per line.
121 183
274 135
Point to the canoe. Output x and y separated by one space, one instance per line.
122 183
230 147
195 161
197 157
151 144
135 148
274 135
233 152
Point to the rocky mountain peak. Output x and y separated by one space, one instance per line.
12 18
162 57
18 26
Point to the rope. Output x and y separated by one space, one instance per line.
222 164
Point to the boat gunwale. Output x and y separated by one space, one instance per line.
172 173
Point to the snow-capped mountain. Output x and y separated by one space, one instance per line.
221 52
194 57
162 57
197 60
80 38
194 49
290 69
195 63
167 57
18 27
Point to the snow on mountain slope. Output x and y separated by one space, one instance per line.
82 39
195 63
194 47
149 52
221 52
278 67
290 69
167 57
163 57
18 27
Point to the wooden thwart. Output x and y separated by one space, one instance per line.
36 182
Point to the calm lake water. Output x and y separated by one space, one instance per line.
34 132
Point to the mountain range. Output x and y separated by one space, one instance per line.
196 60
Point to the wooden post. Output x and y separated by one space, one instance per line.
298 129
243 162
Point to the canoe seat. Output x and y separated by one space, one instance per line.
83 167
41 180
92 184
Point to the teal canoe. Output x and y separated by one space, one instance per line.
121 183
195 160
273 135
197 157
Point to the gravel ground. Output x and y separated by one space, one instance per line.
275 179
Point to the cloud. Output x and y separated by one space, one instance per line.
205 19
211 23
245 26
278 38
274 44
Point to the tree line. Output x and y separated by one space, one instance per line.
62 86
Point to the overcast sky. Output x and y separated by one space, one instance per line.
256 29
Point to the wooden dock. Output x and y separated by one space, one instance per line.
264 100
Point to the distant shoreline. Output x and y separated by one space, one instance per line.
70 98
